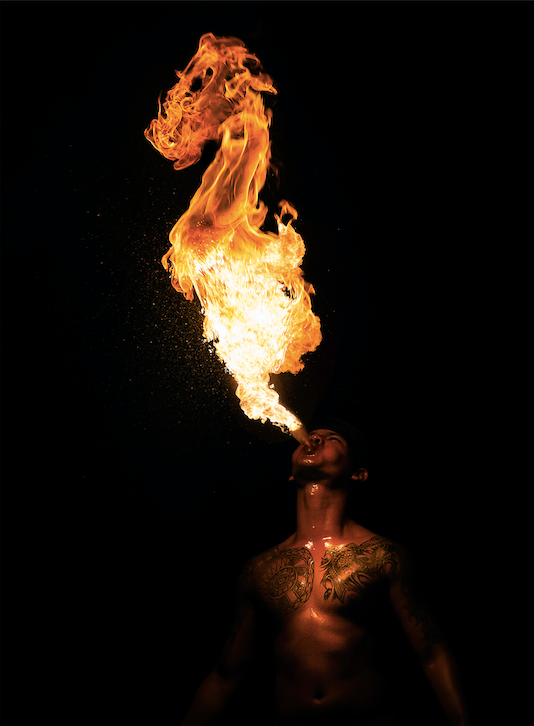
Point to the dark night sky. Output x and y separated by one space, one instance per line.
138 489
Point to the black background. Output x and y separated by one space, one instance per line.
133 487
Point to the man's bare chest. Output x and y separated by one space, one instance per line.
284 580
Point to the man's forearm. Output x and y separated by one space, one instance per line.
210 701
442 672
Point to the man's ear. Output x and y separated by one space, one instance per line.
360 475
291 478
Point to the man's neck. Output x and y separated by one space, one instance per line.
321 511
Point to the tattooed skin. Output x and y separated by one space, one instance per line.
285 578
352 568
349 568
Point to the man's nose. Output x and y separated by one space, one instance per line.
315 439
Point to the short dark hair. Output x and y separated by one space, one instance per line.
350 433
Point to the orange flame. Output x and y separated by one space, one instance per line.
256 304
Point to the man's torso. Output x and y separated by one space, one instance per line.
320 603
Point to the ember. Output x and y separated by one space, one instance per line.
256 304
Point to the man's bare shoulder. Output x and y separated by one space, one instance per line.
355 536
384 547
275 553
255 563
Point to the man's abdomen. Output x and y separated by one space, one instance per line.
323 682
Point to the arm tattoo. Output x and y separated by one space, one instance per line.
415 603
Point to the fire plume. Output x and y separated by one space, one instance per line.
255 301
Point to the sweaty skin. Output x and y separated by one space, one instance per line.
318 598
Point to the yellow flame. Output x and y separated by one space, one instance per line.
256 303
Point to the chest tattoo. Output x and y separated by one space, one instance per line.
285 578
352 567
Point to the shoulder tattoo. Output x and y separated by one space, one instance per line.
351 567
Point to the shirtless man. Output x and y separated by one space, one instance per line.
315 595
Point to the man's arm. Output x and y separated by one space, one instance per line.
425 637
216 691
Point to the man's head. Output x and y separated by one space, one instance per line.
334 452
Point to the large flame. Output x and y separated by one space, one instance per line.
256 304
